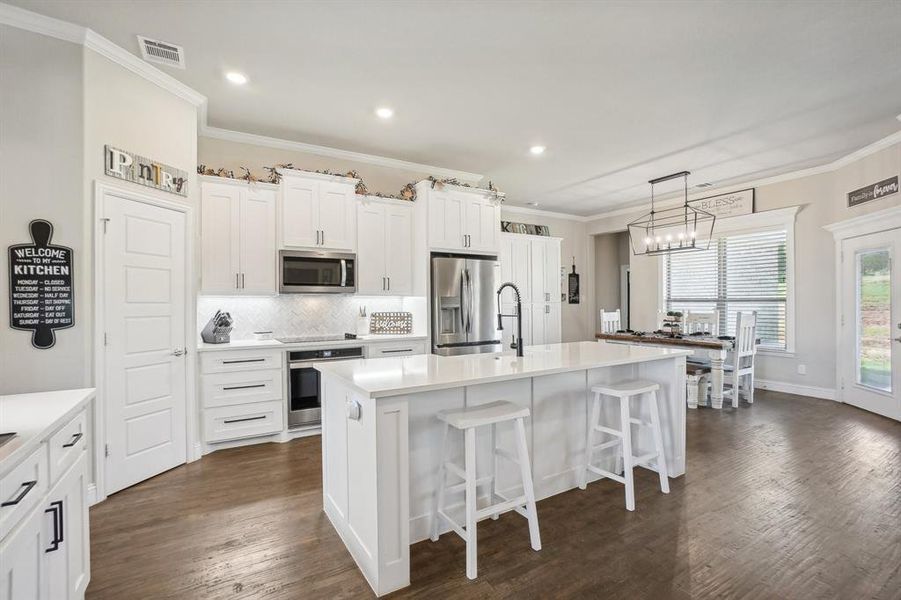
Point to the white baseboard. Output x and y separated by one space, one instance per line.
91 494
793 388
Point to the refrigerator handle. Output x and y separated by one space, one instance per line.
462 300
469 304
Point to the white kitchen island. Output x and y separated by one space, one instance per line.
381 441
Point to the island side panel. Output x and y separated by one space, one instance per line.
393 493
670 374
350 492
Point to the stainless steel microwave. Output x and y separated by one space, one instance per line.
316 272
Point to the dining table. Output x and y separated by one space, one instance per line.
713 348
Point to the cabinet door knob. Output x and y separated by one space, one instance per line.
178 352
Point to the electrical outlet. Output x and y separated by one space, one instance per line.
802 369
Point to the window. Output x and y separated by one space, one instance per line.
738 273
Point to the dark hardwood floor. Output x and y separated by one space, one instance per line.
789 498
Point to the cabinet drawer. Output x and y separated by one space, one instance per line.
243 420
242 387
67 445
22 488
240 360
386 349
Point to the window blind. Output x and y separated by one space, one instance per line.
738 273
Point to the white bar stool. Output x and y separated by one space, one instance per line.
467 420
625 391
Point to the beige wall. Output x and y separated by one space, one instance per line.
606 273
218 153
41 133
823 199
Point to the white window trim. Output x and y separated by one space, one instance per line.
779 219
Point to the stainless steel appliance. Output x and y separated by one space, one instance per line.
463 306
304 407
315 272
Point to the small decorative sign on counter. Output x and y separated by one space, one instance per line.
385 323
880 189
732 204
144 171
41 295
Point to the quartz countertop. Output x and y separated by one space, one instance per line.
277 345
382 377
34 417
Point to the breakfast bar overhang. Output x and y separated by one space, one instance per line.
381 440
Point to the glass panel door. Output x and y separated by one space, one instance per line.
873 319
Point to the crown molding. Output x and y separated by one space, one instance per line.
371 159
41 24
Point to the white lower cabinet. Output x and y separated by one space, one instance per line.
242 394
45 551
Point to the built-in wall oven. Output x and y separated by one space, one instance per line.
304 406
315 272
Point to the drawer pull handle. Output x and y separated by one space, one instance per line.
243 360
74 440
245 419
244 387
57 509
398 350
26 487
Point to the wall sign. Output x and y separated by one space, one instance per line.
732 204
883 188
41 296
144 171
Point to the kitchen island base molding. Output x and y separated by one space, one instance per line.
381 454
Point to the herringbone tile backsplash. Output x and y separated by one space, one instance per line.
298 314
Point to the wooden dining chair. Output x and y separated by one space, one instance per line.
707 322
741 367
610 321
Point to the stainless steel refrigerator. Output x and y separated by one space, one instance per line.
464 305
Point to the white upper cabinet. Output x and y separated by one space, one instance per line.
461 220
385 247
237 235
545 270
516 264
318 211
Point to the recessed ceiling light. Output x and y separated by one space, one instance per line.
236 78
536 150
384 112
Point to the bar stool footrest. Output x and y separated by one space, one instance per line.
608 431
607 474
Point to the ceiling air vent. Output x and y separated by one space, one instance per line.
704 185
162 53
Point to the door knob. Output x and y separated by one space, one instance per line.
178 352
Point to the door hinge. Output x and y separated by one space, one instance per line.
105 339
105 449
105 222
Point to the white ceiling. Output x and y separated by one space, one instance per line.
619 92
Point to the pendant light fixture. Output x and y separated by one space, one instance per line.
677 229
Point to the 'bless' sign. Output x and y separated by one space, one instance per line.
144 171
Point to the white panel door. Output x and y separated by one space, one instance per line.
219 238
68 559
553 326
399 249
144 307
539 276
871 322
337 211
299 212
515 251
446 220
371 278
23 573
552 273
257 240
483 225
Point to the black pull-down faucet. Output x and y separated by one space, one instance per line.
517 343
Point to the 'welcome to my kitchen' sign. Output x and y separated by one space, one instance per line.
40 286
144 171
886 187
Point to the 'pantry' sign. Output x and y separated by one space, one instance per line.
144 171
